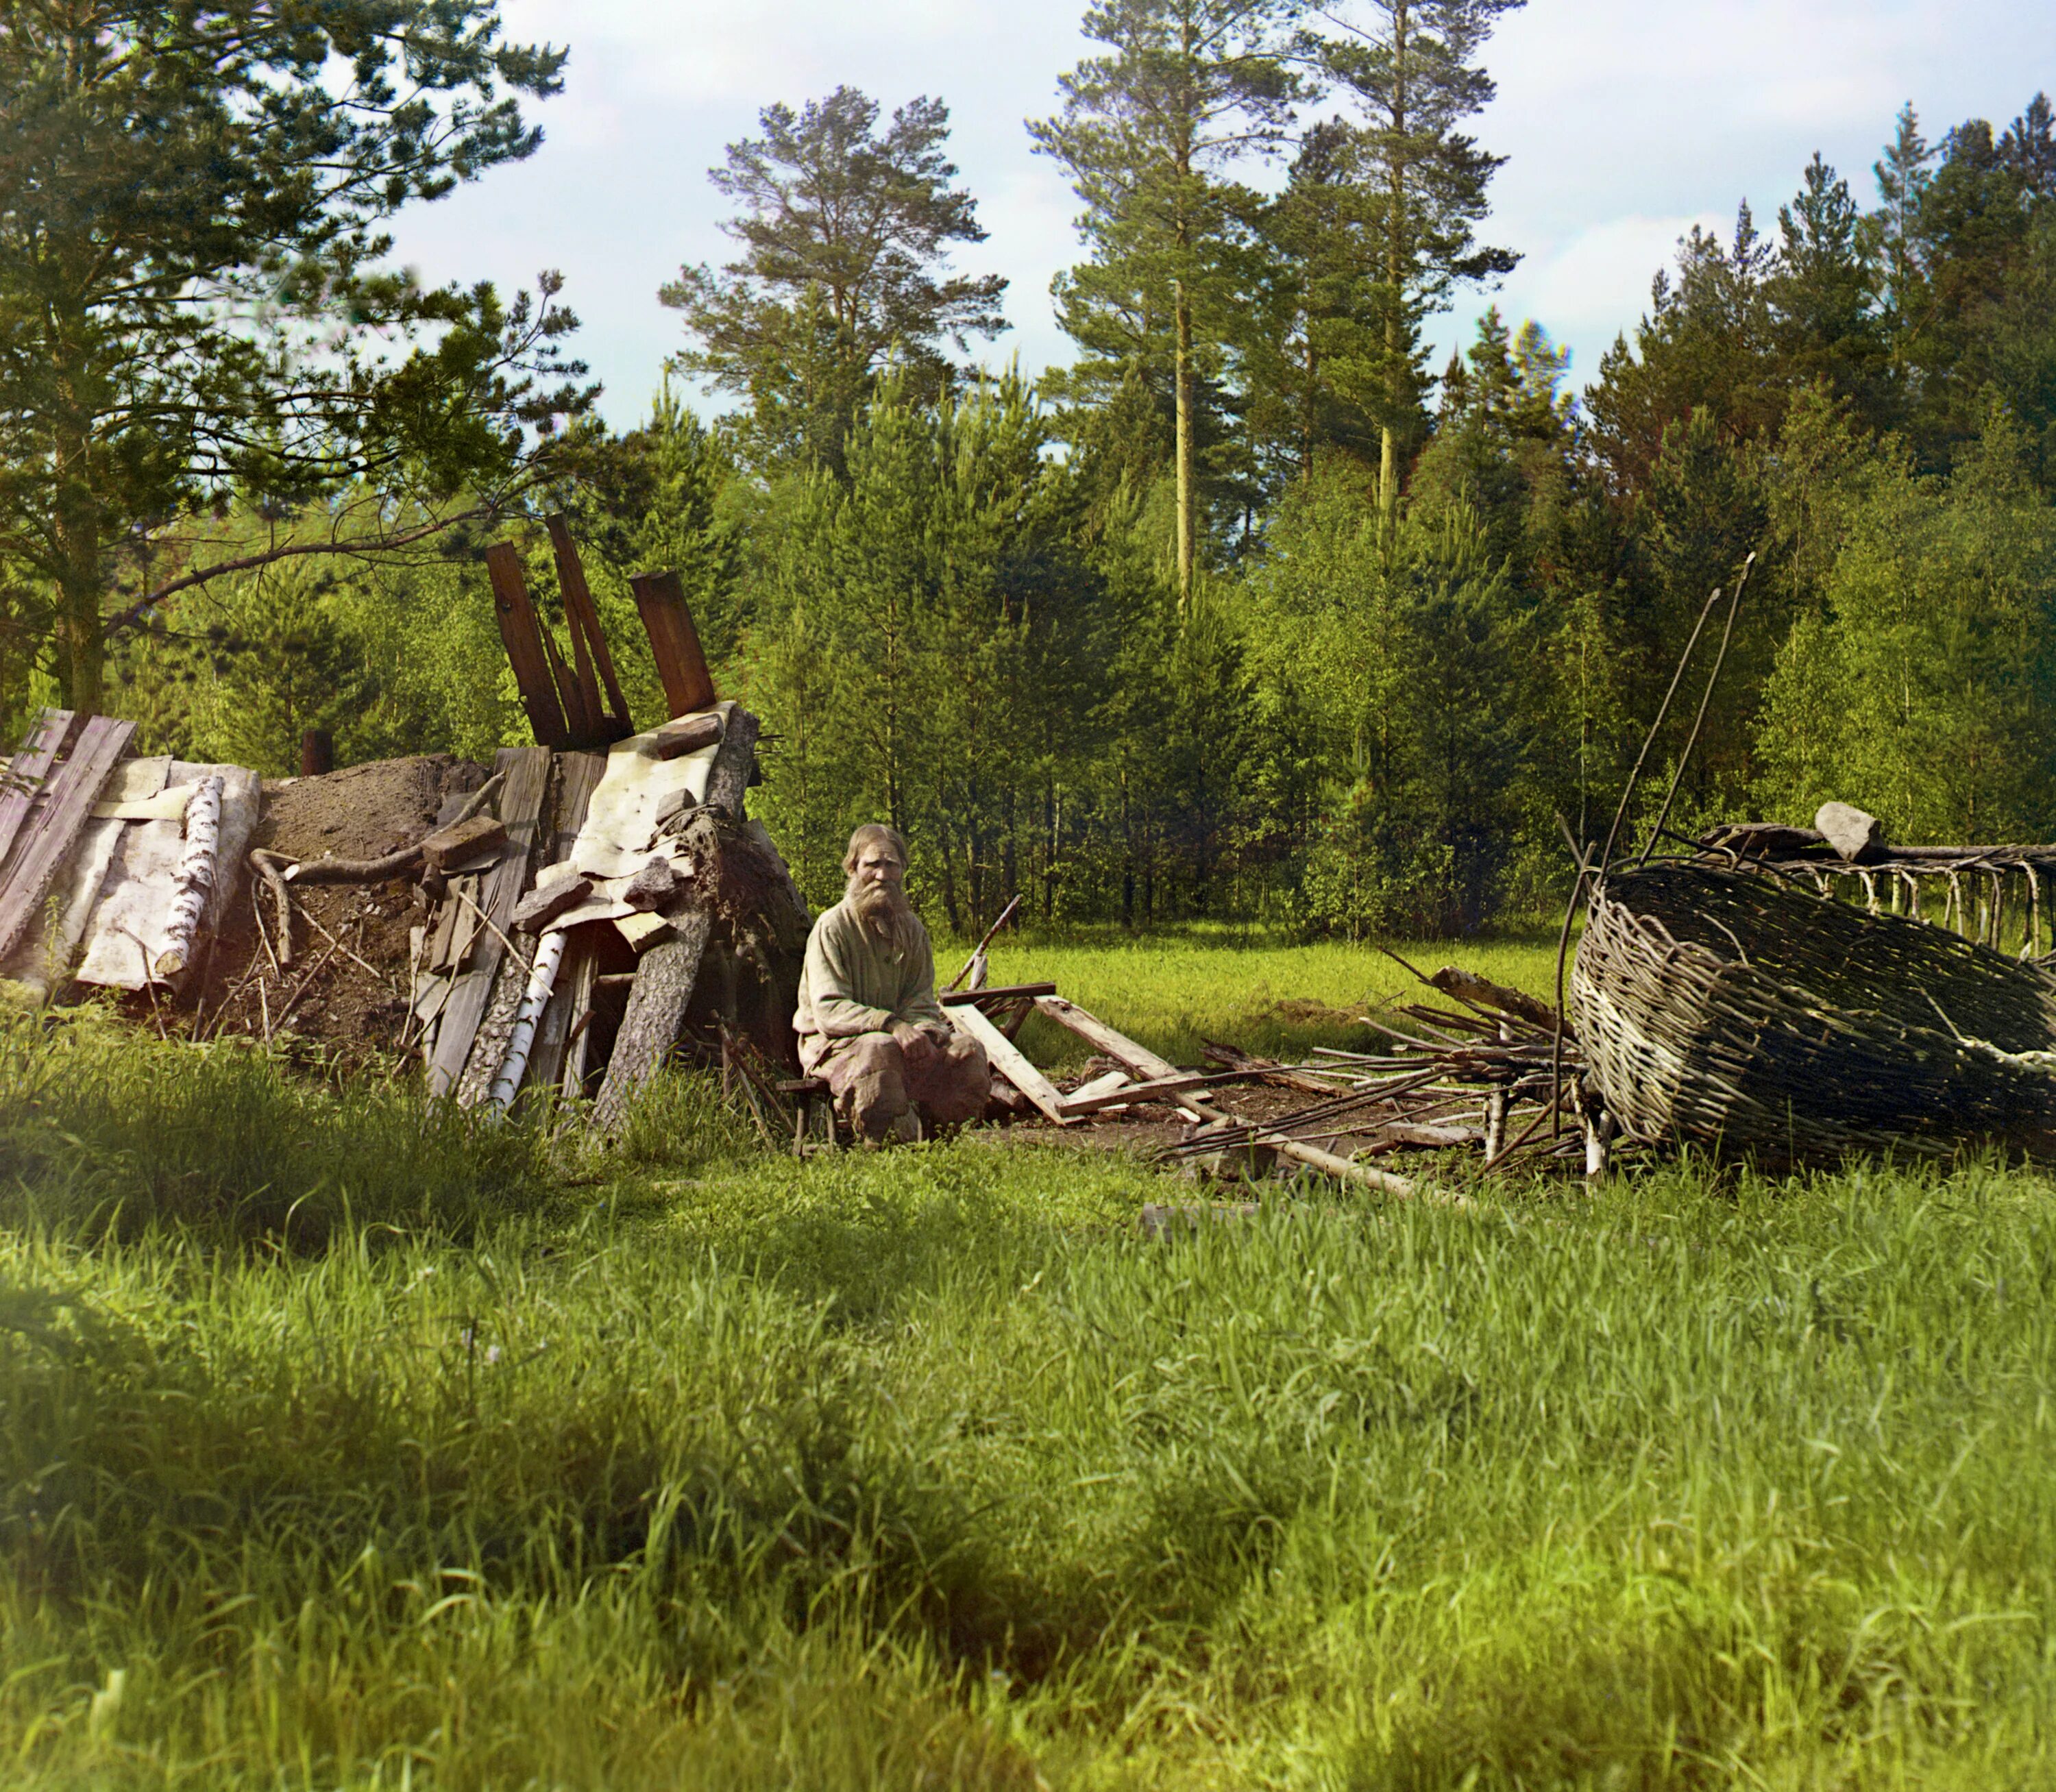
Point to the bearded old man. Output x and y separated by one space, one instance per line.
868 1017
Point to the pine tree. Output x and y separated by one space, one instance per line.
193 199
1410 69
844 231
1147 134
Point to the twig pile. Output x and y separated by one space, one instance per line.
1477 1077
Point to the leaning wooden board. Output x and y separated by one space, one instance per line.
1008 1059
578 777
27 769
46 840
528 774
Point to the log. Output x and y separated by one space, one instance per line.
1857 836
688 734
194 880
674 642
733 764
664 983
1009 1060
1482 992
995 993
542 980
316 753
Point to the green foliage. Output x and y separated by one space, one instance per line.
190 303
921 645
1923 686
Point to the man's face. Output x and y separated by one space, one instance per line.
879 870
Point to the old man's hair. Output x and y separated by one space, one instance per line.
872 833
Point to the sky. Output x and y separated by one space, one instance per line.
1624 122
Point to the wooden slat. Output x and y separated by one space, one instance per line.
1008 1059
581 728
523 635
584 617
995 994
1090 1100
528 772
578 777
1136 1060
42 845
26 770
661 599
583 969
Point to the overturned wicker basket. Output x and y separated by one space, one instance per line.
1735 1010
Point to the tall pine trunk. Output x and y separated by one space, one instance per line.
76 527
1182 310
1396 263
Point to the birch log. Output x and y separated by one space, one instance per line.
194 879
542 980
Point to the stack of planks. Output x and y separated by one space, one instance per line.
625 903
47 799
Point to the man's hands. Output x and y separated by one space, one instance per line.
917 1045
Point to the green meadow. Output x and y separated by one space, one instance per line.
345 1445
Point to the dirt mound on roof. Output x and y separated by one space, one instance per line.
344 992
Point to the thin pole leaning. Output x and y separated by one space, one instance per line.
1698 721
1606 856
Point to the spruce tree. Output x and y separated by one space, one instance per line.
1410 69
1150 134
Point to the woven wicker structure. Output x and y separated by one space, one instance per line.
1733 1009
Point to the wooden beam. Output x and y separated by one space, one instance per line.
583 614
1138 1061
527 770
45 843
1080 1101
1009 1060
522 634
661 600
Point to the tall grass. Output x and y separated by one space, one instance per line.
927 1469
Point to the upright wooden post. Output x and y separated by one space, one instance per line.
584 617
316 753
688 685
523 633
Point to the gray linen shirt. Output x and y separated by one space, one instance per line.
856 982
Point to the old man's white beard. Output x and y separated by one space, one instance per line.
882 909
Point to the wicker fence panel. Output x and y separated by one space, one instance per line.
1736 1010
